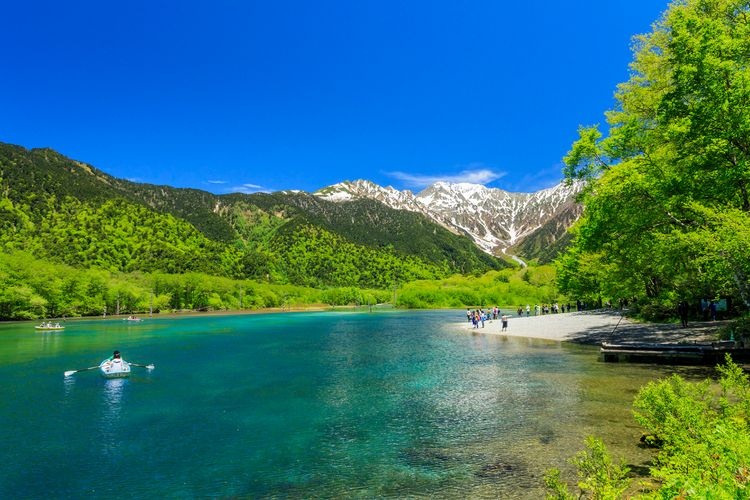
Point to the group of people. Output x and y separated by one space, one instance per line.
708 310
479 316
49 324
544 309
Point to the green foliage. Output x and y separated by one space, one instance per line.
312 256
704 434
121 236
31 288
702 431
586 159
738 330
506 288
372 224
598 476
557 489
342 296
667 208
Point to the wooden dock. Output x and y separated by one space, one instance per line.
676 354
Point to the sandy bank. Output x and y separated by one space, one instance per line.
595 327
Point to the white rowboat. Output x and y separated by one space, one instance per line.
114 368
49 326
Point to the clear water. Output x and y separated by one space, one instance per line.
388 404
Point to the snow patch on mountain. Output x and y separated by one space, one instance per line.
495 219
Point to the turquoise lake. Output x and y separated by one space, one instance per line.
298 405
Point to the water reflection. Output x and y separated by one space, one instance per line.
50 341
69 384
113 391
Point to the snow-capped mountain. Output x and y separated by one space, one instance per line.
495 219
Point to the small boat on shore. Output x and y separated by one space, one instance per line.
114 368
133 319
48 325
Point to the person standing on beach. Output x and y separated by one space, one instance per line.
505 322
682 311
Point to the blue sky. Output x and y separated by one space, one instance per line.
260 96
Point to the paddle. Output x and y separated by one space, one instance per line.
71 372
150 366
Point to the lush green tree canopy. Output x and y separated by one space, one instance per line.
667 211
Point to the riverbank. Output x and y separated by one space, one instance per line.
218 312
595 327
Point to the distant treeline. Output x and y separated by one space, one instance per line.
508 288
31 288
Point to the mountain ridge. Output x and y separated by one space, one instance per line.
68 211
498 221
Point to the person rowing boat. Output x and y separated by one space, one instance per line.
112 367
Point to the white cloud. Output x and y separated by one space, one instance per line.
247 189
216 182
478 175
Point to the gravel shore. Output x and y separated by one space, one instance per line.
595 327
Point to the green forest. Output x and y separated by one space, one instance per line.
31 288
75 241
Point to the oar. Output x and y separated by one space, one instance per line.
71 372
150 367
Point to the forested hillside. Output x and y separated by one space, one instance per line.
551 240
64 211
373 224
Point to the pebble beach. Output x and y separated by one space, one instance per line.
595 327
